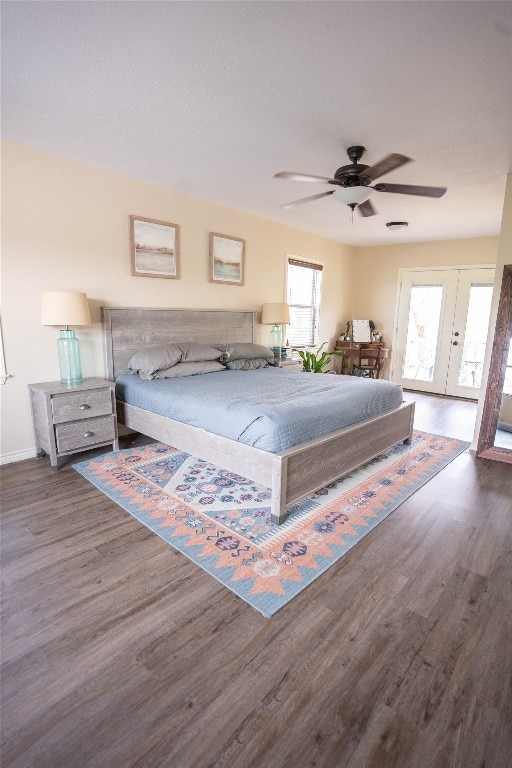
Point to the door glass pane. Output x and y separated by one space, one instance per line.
475 336
423 332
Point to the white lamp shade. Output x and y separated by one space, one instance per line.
64 308
353 195
275 314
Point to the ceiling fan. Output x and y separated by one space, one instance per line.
353 182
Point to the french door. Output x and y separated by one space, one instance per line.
441 330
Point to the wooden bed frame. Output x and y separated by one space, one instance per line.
291 474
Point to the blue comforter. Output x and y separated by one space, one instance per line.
267 408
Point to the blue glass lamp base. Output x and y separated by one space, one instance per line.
69 358
275 338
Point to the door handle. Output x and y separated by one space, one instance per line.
456 333
455 343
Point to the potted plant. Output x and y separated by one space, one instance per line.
315 362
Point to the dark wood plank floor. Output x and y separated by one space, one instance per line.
117 651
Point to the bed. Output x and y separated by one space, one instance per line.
291 472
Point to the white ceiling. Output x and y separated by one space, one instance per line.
213 98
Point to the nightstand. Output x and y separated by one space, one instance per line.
68 419
290 364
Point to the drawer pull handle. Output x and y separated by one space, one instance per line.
88 434
84 407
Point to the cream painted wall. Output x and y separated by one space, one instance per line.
65 227
377 269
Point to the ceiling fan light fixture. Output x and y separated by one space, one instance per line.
395 225
353 195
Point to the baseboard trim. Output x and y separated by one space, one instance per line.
9 458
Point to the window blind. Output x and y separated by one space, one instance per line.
304 290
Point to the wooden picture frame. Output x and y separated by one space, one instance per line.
154 248
496 377
227 259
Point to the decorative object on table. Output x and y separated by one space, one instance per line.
315 362
154 248
226 259
66 308
276 315
221 521
375 335
361 331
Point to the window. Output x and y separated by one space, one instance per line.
304 282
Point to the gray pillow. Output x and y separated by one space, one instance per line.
189 369
196 353
147 361
249 364
246 352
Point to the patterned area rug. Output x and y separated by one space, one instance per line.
221 521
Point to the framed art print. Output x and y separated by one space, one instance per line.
226 259
154 248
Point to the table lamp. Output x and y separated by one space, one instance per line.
275 315
66 308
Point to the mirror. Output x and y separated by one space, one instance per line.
495 438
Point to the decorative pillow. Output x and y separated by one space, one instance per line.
189 369
147 361
249 364
196 353
246 352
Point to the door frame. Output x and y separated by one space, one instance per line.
395 374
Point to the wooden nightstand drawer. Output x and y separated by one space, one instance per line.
84 433
81 405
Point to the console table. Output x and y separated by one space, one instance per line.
351 353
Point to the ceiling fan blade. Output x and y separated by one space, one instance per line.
302 177
366 209
408 189
306 200
386 165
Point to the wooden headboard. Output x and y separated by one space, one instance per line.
129 329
